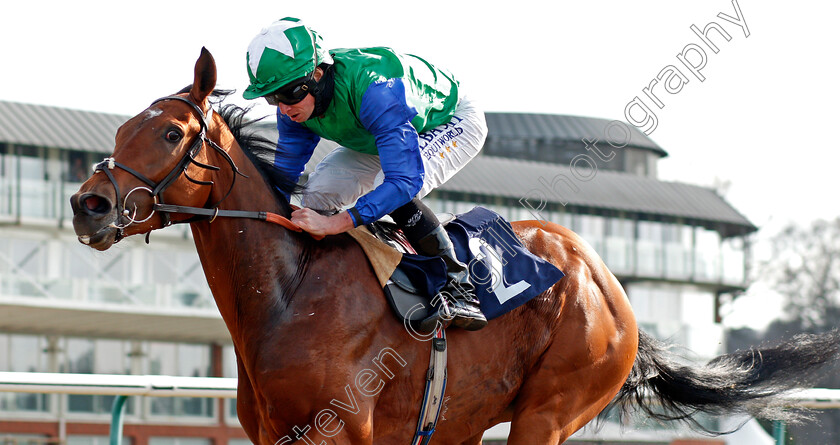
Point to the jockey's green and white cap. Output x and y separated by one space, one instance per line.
284 51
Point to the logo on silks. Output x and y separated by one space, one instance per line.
505 274
441 140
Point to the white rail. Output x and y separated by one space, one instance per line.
217 387
114 385
816 398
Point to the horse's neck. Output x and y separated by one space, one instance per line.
247 262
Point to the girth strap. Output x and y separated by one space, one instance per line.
435 389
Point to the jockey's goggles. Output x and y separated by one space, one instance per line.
292 93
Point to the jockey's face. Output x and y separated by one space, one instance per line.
300 111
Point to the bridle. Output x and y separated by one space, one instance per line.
156 189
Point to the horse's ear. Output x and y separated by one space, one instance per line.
205 77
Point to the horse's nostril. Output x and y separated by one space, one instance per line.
95 205
92 203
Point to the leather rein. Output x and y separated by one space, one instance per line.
156 189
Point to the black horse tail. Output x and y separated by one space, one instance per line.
744 382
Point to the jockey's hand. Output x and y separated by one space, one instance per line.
318 224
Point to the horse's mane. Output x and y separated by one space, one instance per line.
259 149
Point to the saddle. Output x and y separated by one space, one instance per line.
505 274
411 287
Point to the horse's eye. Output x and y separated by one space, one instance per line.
173 135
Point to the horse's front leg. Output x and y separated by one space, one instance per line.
317 411
329 427
246 404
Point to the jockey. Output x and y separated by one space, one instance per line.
403 128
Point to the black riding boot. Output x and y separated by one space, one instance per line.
463 307
457 302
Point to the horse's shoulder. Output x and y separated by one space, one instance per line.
339 244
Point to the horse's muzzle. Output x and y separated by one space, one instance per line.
93 220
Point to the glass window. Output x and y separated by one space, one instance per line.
162 359
178 441
510 147
621 228
111 357
639 162
707 255
549 150
703 335
431 201
679 313
24 439
88 356
651 231
191 289
112 280
4 353
679 242
565 156
26 354
563 218
79 352
34 188
229 370
162 266
94 440
78 167
79 262
9 183
649 248
5 263
658 308
23 353
180 360
194 361
525 214
592 229
27 264
32 164
618 245
463 207
733 256
135 275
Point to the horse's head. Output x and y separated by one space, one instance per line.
159 156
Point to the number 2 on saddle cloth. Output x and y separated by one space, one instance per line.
505 274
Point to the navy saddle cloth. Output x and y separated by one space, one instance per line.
505 274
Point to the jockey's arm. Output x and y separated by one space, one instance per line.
295 145
385 113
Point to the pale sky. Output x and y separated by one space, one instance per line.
764 118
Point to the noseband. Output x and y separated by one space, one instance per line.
156 189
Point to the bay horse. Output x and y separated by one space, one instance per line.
320 356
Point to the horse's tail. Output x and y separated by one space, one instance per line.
747 382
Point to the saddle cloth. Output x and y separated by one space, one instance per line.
505 274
